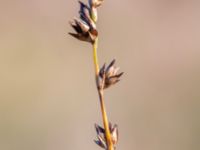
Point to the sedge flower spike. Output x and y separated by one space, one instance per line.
108 75
101 138
85 27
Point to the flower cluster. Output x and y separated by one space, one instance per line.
108 75
85 25
101 138
86 30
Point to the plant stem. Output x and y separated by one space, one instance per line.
105 121
96 64
101 98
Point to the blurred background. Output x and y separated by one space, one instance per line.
48 98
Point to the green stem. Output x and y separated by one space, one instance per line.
105 122
100 92
96 64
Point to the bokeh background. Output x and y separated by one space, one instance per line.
48 99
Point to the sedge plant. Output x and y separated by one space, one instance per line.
106 76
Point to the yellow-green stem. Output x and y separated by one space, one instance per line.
100 92
96 64
105 122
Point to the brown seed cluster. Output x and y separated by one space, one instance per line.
101 138
108 75
85 25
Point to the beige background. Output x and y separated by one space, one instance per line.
48 99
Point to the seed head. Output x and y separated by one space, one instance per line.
108 75
85 27
101 135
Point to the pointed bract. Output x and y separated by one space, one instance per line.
114 134
84 27
102 144
99 129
